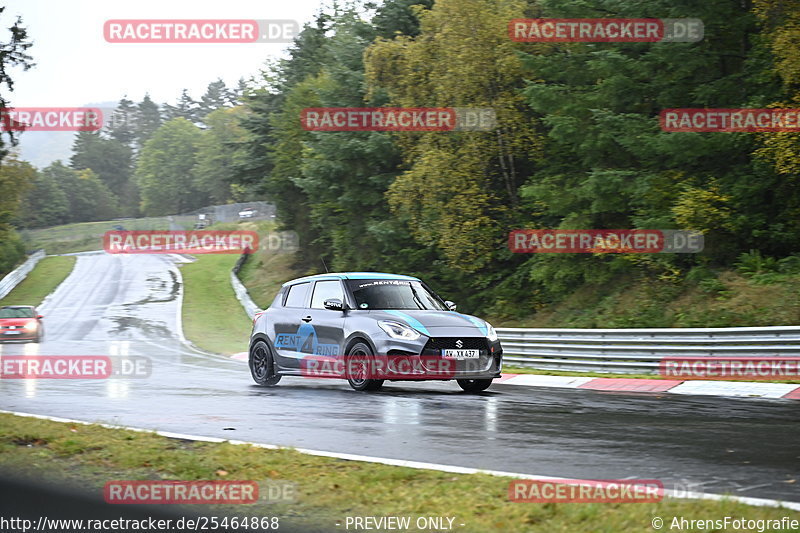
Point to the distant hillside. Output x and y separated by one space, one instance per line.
43 147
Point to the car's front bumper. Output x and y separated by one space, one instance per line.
424 360
25 335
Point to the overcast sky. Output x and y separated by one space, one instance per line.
76 66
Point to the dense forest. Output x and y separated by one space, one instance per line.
578 144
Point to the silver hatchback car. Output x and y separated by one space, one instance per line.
369 327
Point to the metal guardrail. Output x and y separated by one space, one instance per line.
230 212
240 290
13 278
639 351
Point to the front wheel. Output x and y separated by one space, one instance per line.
358 368
474 385
262 366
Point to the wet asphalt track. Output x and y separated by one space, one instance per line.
127 305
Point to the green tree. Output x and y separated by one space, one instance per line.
15 179
147 120
88 198
62 179
186 108
15 175
399 17
460 188
123 128
217 154
780 23
12 53
216 97
46 203
270 151
165 170
307 55
608 164
111 161
343 173
240 91
251 170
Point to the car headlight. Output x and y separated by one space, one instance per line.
491 334
32 325
396 330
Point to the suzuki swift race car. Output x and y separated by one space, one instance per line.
368 327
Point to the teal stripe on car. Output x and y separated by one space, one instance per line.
478 322
377 275
413 322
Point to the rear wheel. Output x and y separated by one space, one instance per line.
358 367
262 365
474 385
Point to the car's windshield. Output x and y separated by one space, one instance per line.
393 294
16 312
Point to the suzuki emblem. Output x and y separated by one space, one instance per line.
459 344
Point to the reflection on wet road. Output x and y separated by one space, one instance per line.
129 305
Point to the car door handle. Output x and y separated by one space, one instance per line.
307 319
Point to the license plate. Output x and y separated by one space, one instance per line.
12 332
461 354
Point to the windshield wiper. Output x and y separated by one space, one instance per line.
416 296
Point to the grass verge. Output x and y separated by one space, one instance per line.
266 270
727 299
41 281
213 318
327 490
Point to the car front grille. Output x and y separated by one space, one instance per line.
435 345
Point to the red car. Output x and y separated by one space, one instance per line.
20 322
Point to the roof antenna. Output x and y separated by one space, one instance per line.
324 265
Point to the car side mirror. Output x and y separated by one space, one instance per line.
334 304
450 305
40 316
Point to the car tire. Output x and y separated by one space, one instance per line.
357 364
262 365
474 385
